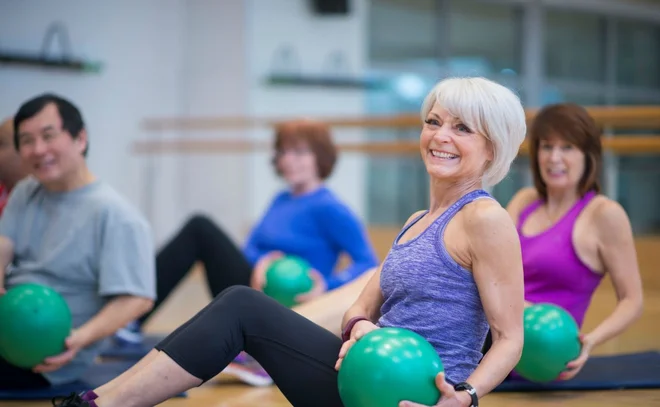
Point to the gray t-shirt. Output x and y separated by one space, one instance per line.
89 244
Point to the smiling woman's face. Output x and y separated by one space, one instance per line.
450 149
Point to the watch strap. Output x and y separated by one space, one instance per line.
465 386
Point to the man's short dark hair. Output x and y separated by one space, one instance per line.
72 120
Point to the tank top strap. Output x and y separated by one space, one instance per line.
575 211
440 225
458 205
407 226
568 220
524 214
441 222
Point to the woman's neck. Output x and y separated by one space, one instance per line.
560 201
443 193
306 187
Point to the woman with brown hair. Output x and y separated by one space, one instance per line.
570 234
306 219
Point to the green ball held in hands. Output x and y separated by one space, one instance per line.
551 341
387 366
287 277
34 324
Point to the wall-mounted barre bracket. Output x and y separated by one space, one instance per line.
325 81
38 61
56 31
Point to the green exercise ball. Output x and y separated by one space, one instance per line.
34 324
287 277
387 366
551 341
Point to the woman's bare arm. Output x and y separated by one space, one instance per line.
368 302
617 251
497 270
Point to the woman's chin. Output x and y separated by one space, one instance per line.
559 184
441 174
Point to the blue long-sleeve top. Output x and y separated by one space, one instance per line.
318 227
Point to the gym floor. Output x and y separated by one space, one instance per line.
226 392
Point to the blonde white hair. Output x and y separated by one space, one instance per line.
489 109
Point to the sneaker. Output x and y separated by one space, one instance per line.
131 334
72 400
248 370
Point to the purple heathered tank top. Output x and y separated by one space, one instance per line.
427 292
553 271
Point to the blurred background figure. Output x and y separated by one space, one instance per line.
11 170
306 219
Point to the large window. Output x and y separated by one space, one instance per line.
589 58
484 32
638 54
402 30
414 44
575 46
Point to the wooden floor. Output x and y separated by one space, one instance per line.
225 392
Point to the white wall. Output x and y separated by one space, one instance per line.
161 58
141 76
215 78
276 24
195 58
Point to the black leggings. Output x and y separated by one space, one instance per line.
14 378
199 240
298 354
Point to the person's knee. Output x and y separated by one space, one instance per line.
237 294
199 223
242 300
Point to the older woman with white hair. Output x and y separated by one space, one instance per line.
454 271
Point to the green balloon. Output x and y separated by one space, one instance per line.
387 366
551 341
34 324
286 278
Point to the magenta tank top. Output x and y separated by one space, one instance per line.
553 271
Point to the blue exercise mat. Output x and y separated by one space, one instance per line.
96 376
131 352
629 371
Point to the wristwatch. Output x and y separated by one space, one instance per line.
464 386
346 333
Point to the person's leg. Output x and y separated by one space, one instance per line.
146 360
14 378
199 240
224 262
122 378
224 266
298 354
326 310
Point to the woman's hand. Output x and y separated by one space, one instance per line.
574 366
448 396
258 278
359 330
320 286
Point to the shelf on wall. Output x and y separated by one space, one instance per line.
38 61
